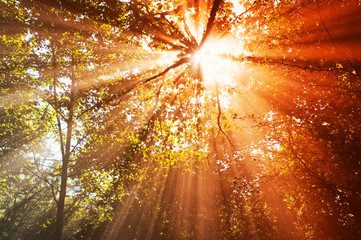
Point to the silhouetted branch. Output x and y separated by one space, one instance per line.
177 64
210 22
132 87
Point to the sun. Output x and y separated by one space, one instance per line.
214 61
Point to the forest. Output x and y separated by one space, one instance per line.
180 119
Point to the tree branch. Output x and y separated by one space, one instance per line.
219 121
210 22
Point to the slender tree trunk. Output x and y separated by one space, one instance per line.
63 185
64 170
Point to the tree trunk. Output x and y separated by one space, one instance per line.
65 162
63 185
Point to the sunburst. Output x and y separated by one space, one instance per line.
214 60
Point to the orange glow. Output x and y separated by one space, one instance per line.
232 134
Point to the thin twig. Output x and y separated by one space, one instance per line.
220 129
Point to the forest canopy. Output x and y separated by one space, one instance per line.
184 119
